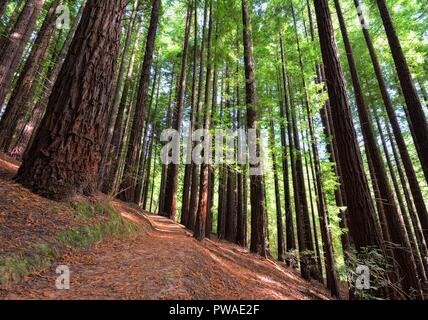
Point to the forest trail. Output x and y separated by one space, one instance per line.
167 263
164 262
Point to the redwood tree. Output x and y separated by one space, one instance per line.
360 207
413 102
128 184
258 215
64 157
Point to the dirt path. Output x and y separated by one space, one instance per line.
167 263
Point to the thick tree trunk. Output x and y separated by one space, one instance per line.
64 157
411 175
127 187
13 47
258 214
360 207
394 221
414 105
171 186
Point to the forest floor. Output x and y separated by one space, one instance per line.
161 262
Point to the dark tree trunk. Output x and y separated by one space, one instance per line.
201 216
290 239
193 205
171 184
304 235
230 184
404 212
360 207
153 129
145 145
258 215
19 103
414 105
411 175
413 216
221 224
27 133
127 187
240 221
114 109
165 166
112 166
185 207
394 222
279 222
13 46
209 222
64 157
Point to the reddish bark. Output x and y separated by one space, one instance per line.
64 157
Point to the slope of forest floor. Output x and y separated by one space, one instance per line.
159 261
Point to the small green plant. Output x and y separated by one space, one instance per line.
15 266
84 236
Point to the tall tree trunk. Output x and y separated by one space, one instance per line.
395 225
413 216
27 134
198 124
411 175
114 112
304 235
22 95
170 202
279 222
360 207
64 157
240 221
168 121
185 207
14 45
145 145
290 239
258 217
127 187
112 166
221 223
403 209
201 216
414 105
